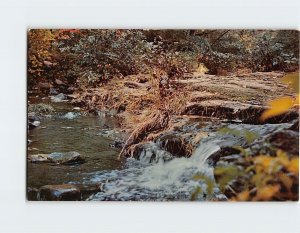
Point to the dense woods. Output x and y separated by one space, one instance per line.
91 57
175 93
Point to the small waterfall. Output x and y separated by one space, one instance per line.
158 176
171 180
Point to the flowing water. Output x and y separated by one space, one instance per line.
68 131
174 179
162 178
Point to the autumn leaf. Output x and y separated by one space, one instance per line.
266 193
263 160
278 107
286 180
243 196
294 166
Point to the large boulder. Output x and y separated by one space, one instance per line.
68 158
62 192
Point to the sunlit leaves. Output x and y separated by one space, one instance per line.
39 44
278 107
243 196
266 178
266 193
284 104
293 167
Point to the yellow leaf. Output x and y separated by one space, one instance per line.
297 100
278 107
263 160
287 181
282 158
294 166
243 196
266 193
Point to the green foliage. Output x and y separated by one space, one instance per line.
210 184
276 50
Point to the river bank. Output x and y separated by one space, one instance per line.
128 156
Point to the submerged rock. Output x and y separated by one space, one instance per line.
69 158
62 192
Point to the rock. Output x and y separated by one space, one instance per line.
36 123
108 133
76 108
59 98
32 149
176 145
48 63
69 158
295 126
71 89
32 194
117 144
225 153
223 109
59 82
62 192
87 190
39 158
71 115
53 91
32 116
286 140
149 153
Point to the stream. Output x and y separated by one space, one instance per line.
67 131
156 175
